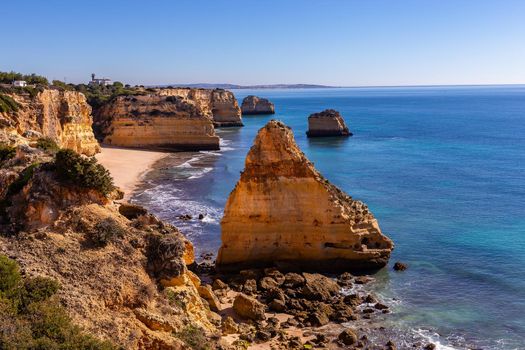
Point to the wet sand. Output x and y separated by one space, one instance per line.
127 166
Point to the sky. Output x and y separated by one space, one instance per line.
330 42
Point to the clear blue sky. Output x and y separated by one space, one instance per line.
334 42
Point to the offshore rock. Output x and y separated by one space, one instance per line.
256 105
156 121
63 116
219 105
283 212
327 123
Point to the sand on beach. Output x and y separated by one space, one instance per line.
127 165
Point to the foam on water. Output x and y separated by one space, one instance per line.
442 170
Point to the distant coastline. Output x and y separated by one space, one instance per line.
235 86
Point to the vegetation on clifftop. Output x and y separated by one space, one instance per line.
9 77
32 318
7 104
84 172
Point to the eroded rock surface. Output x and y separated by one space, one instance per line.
219 105
327 123
63 116
283 212
256 105
125 280
156 121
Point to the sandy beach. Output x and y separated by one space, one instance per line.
127 165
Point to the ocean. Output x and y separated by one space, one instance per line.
441 168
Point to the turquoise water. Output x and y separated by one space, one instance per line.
443 170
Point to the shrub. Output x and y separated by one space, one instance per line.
77 170
194 337
42 323
7 104
6 152
10 278
165 255
47 144
106 231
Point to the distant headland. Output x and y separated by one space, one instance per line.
235 86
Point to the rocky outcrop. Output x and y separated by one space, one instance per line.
282 211
327 123
219 105
155 121
124 280
256 105
63 116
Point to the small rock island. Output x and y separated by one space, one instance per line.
327 123
255 105
284 213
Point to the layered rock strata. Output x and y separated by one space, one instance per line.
156 121
283 212
327 123
63 116
219 105
255 105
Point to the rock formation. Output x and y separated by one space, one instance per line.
327 123
256 105
219 105
283 212
124 280
63 116
156 121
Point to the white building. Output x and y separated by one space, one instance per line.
19 83
98 81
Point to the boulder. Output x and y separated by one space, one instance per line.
256 105
131 211
399 266
327 123
319 287
247 307
347 337
207 294
283 211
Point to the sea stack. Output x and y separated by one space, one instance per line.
327 123
256 105
283 212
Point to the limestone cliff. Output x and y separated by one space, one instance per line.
218 104
282 211
327 123
63 116
122 278
155 121
256 105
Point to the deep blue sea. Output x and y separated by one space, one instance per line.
442 169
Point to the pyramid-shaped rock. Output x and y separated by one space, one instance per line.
283 212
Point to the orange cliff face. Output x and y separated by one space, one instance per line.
219 105
156 121
283 212
63 116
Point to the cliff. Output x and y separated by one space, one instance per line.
219 105
155 121
327 123
63 116
256 105
282 211
122 277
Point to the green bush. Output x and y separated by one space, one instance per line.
8 77
106 231
77 170
7 104
6 152
193 337
30 318
47 144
